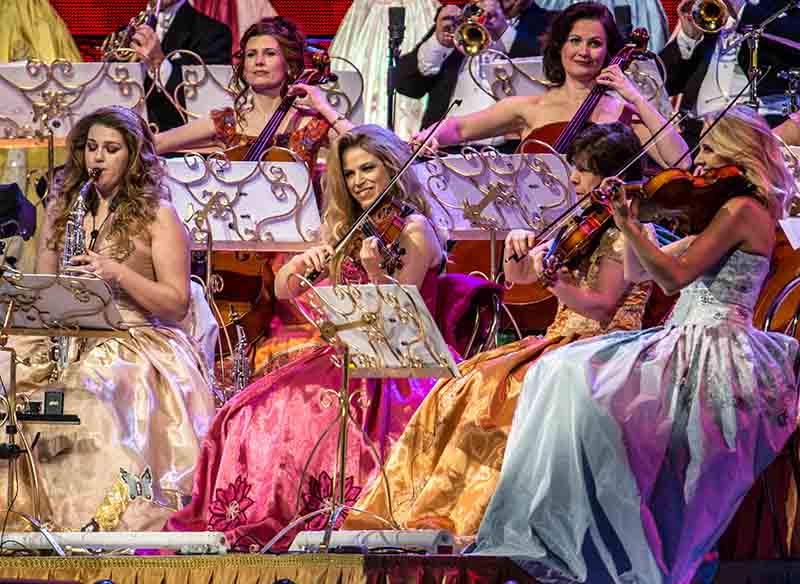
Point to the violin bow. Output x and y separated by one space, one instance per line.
676 117
345 239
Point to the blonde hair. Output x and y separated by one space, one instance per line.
341 209
141 189
744 138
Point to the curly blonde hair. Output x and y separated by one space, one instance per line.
744 138
341 209
142 188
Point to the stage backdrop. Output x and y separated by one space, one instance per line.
91 20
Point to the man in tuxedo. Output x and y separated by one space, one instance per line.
179 26
710 69
435 68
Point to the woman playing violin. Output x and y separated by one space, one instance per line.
580 44
659 434
271 57
250 467
447 482
358 172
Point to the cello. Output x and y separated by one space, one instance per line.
243 282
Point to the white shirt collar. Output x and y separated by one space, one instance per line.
166 15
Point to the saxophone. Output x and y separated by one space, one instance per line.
241 364
74 245
121 39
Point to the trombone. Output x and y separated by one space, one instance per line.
710 16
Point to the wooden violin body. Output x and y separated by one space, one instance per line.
691 201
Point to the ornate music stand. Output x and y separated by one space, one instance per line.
242 206
46 305
379 331
483 194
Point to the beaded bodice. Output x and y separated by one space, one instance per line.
727 292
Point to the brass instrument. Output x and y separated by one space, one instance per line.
710 15
74 245
122 39
471 36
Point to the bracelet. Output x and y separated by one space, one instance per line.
338 119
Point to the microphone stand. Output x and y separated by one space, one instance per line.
752 35
397 30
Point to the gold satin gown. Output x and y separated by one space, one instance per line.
144 402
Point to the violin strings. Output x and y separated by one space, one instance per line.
584 111
269 130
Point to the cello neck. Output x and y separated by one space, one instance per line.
267 135
578 121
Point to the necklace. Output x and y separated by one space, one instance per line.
96 230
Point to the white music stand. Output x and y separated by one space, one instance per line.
481 193
37 97
244 206
505 77
47 305
379 331
206 87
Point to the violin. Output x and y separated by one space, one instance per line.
561 134
254 149
691 201
385 223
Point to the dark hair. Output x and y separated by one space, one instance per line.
605 148
562 25
291 41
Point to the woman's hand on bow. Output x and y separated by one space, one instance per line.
104 267
315 258
371 257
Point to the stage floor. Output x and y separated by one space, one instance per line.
269 569
319 569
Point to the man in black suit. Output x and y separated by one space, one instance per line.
710 69
435 68
179 26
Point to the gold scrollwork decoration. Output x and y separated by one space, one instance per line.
54 93
498 181
206 205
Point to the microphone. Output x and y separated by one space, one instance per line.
397 25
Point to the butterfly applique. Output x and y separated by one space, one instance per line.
138 486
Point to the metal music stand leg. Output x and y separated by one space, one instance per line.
12 427
338 503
